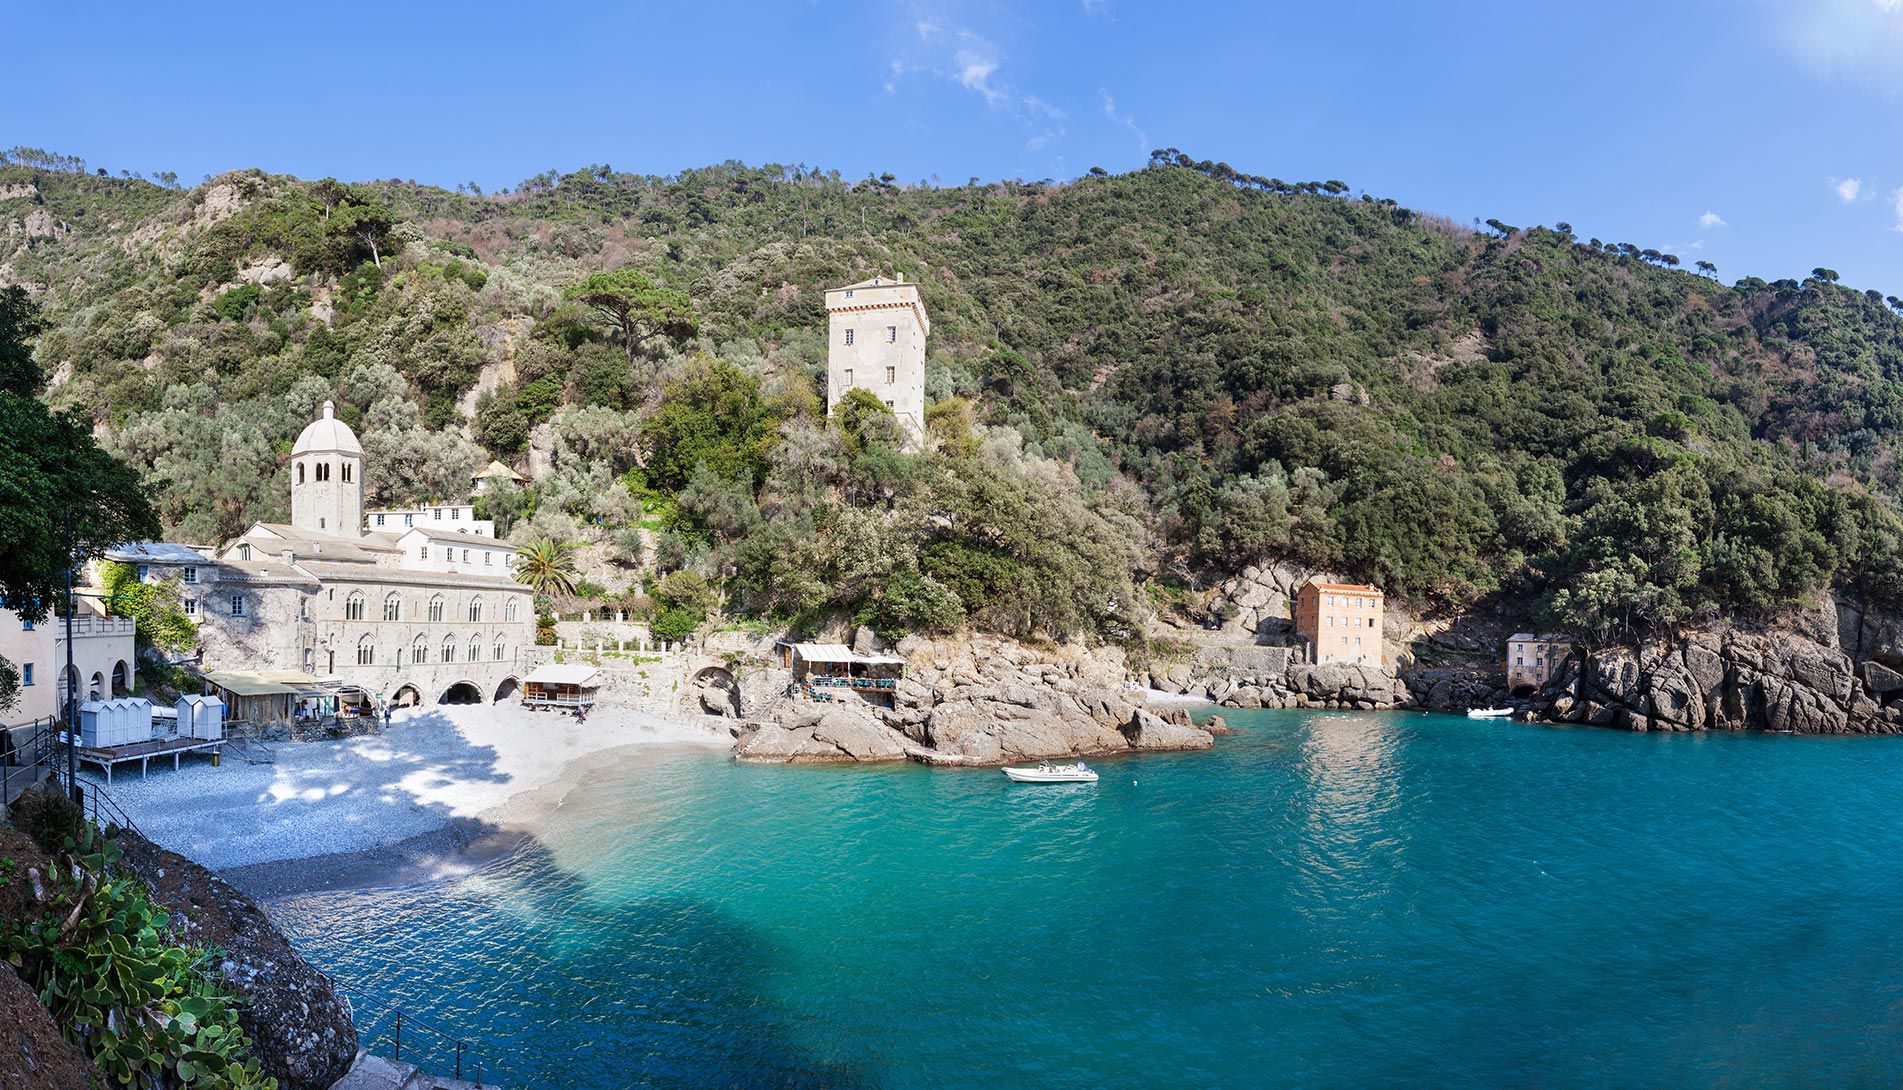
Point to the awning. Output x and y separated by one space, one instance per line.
840 653
823 652
553 674
248 685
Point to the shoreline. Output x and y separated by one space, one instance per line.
442 791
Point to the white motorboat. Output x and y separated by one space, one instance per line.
1489 713
1050 773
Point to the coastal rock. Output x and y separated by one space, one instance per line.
33 1055
822 735
300 1025
1147 730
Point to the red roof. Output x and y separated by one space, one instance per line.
1352 588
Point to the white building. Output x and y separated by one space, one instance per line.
876 342
417 612
104 664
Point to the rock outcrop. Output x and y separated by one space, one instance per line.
1730 679
300 1026
977 701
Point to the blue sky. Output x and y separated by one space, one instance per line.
1761 135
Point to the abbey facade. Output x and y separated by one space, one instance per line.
416 613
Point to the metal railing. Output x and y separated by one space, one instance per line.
431 1049
27 753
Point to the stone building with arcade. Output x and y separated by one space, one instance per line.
423 613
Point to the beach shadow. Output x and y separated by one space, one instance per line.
557 989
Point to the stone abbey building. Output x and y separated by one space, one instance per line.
425 610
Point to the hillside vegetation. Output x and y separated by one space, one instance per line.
1138 382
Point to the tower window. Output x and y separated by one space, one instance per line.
892 334
891 375
848 381
848 336
300 473
346 471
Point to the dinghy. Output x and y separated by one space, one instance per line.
1050 773
1489 713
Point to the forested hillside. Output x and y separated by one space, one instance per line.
1139 383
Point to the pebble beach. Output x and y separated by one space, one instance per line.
440 790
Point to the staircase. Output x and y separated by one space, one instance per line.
376 1073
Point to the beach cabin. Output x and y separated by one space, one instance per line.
201 717
557 686
821 669
249 698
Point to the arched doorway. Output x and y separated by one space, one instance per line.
98 687
507 689
406 697
1521 692
462 692
121 678
717 692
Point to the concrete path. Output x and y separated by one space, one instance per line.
376 1073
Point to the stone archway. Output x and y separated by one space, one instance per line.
97 688
462 692
507 689
121 678
406 696
716 691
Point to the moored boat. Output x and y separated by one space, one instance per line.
1050 773
1489 713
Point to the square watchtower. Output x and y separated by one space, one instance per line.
876 342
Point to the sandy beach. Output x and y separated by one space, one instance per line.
442 790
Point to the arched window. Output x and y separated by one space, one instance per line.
393 606
436 608
353 607
499 649
419 651
449 649
346 472
366 652
475 610
323 471
300 473
508 610
475 649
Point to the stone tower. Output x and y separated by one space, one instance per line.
877 342
327 478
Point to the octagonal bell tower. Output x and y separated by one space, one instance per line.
327 478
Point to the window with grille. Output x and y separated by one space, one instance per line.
848 336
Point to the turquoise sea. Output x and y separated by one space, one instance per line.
1325 900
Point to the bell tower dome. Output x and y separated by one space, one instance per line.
327 478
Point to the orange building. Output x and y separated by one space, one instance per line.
1340 622
1532 660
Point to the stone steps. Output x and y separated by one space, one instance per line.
370 1072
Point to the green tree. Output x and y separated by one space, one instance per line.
546 566
639 310
63 501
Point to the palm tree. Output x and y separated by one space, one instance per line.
546 566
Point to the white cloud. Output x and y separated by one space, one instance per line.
974 73
1096 7
1127 121
1847 190
1858 41
1037 142
1711 219
1896 203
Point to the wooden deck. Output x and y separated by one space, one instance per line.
108 757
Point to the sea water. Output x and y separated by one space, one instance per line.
1323 900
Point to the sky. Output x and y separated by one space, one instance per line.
1764 136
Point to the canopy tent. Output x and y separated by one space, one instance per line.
561 686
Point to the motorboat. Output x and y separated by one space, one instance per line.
1489 713
1049 773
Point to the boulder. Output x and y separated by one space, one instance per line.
1147 730
1878 678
